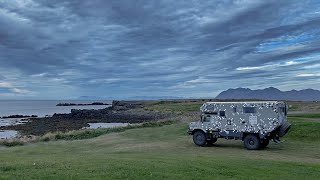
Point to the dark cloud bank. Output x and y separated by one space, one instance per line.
56 49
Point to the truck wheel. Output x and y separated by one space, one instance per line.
251 142
212 141
199 138
265 143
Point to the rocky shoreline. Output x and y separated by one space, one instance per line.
119 112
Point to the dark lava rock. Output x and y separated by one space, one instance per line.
19 116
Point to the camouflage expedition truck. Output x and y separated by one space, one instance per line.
255 123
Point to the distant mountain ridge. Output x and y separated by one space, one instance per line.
270 93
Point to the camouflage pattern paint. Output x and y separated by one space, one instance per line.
265 117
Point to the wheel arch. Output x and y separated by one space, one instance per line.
244 134
195 130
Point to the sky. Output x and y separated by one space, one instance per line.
64 49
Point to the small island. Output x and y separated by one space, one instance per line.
19 116
91 104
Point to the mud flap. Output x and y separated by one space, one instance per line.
276 139
284 129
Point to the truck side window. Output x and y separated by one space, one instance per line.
222 113
211 112
249 110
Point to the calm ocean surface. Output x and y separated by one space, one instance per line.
42 108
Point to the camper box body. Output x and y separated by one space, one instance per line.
234 120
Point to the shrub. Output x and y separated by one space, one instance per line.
92 133
11 143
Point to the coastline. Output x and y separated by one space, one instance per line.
120 112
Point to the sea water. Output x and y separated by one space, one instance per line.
42 108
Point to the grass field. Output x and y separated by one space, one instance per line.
166 152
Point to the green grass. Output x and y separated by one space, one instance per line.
304 130
194 105
304 106
175 106
149 166
163 152
294 108
92 133
316 115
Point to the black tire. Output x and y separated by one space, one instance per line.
252 142
265 143
199 138
212 141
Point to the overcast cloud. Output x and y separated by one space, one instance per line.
61 49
